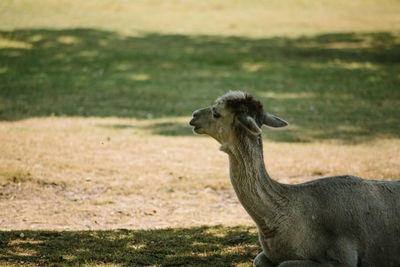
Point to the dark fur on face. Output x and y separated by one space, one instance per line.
248 105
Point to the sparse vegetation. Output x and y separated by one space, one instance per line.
95 98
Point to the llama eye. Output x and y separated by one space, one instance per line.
216 115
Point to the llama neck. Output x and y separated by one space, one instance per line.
261 196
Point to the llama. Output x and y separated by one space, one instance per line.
333 221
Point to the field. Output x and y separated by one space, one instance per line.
98 165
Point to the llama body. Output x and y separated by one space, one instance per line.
335 221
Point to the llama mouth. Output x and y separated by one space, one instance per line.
196 129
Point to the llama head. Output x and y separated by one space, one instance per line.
235 113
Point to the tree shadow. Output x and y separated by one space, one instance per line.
197 246
167 128
170 128
341 86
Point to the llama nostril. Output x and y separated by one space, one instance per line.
192 121
195 115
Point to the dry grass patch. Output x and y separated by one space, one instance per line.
74 173
240 18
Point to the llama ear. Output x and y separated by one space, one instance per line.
273 121
249 124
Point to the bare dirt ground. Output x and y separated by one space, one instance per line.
77 174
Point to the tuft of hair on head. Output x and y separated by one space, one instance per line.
231 95
241 102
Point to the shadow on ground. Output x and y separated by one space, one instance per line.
197 246
343 86
168 128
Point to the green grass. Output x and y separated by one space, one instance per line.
197 246
331 69
329 86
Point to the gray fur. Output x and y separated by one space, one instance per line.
334 221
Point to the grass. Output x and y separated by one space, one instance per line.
200 246
109 174
332 86
95 98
